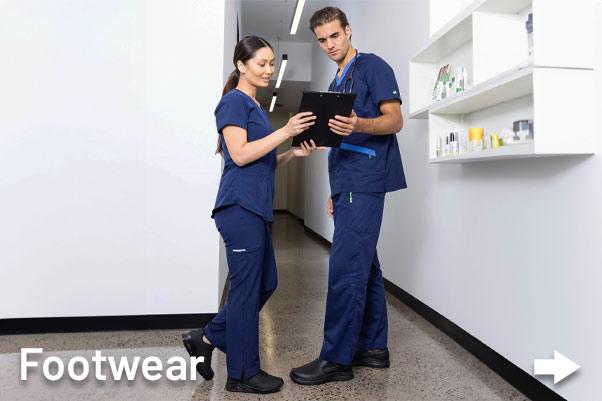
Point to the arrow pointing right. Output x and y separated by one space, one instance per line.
560 367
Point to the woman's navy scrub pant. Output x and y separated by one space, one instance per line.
235 329
356 309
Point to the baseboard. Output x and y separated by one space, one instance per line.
102 323
522 381
317 237
518 378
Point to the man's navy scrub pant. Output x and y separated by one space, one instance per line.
250 254
356 310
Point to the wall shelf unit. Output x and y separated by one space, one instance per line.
553 86
505 152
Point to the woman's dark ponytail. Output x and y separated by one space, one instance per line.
232 81
245 49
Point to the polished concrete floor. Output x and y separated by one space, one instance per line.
425 364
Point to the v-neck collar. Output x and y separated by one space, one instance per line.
255 102
338 79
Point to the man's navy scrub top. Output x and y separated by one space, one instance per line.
350 171
250 186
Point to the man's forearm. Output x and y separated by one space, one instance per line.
382 125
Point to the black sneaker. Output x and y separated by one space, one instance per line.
261 383
321 371
196 347
373 358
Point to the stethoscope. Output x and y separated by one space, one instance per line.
353 148
350 76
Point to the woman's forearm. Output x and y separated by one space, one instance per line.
248 152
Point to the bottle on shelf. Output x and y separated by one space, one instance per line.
529 26
475 138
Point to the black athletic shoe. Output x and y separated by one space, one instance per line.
193 341
261 383
321 371
373 358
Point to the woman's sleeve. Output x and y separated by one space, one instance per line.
231 110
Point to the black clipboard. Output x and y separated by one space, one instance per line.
325 105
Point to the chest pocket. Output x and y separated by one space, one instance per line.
362 96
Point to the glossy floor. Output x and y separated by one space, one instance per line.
425 364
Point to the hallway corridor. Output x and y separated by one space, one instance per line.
425 364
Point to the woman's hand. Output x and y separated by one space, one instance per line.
306 149
299 123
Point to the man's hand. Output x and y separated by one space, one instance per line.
329 207
343 126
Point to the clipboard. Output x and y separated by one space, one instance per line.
325 105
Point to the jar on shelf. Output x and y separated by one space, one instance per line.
521 129
475 139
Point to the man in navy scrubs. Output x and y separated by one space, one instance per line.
365 167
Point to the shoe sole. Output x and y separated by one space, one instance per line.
192 351
333 377
372 363
243 388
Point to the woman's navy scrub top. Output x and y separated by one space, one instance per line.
250 186
353 171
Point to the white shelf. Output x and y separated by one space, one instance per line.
504 6
458 31
421 114
505 83
452 36
504 152
517 82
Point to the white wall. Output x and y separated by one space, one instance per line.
296 187
508 250
232 15
298 54
107 177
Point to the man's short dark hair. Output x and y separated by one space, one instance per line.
326 15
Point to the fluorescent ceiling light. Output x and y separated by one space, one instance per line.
273 102
297 16
281 72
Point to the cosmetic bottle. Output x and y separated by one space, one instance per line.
529 26
521 129
455 144
463 140
475 137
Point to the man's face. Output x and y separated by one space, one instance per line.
334 40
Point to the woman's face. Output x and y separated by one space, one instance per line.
259 69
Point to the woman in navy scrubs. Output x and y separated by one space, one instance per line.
242 212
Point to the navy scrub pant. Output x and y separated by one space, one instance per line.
235 329
356 309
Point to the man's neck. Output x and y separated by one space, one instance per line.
348 57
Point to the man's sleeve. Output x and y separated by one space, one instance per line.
381 81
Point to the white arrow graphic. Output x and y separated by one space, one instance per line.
560 367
